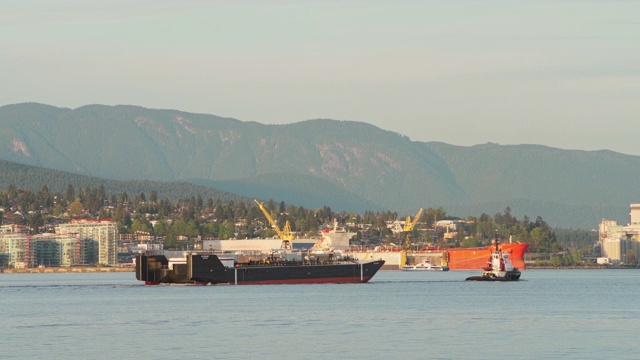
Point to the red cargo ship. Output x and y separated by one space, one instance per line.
476 258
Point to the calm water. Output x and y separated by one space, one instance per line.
552 314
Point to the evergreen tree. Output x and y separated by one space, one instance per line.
70 193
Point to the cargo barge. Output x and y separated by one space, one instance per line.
202 268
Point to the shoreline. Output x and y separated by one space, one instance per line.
578 267
102 269
75 269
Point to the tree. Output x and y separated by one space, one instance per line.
170 242
75 209
555 261
102 194
485 227
34 220
124 221
70 193
470 241
538 238
631 257
209 230
122 198
181 228
141 225
153 196
227 230
240 210
218 211
161 228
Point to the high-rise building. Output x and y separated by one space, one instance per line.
21 250
105 232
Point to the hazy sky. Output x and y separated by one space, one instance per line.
559 73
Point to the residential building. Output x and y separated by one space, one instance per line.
105 232
23 250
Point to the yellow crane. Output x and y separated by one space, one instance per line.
409 225
284 234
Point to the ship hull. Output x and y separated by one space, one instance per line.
476 258
208 269
488 276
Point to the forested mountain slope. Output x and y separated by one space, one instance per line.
340 164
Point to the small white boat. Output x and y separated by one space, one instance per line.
425 265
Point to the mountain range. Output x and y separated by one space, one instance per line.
346 165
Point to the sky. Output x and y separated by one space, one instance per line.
565 74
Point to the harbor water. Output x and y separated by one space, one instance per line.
549 314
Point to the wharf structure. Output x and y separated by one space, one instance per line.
616 240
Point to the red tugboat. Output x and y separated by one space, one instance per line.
498 268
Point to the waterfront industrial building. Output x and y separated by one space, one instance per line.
620 244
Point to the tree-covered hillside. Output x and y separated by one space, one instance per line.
186 221
34 178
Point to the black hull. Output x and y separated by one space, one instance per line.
511 276
208 269
487 278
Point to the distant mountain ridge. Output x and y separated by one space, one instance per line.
345 165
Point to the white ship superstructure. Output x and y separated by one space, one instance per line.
329 239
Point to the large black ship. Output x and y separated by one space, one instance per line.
202 268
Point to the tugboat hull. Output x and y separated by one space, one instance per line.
498 268
509 276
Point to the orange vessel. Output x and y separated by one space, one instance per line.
476 258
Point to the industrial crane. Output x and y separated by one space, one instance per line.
409 225
284 234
